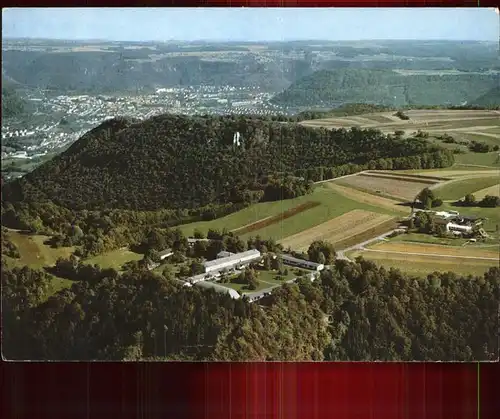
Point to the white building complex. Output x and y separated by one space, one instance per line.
233 261
302 263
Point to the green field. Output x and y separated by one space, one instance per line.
481 159
34 253
459 188
331 205
37 255
267 279
114 259
427 238
421 267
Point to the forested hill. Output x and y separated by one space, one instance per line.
385 87
490 98
187 162
12 104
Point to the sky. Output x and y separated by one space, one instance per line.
251 24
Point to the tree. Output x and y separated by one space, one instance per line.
469 200
196 268
277 263
426 196
436 202
321 247
321 258
490 201
198 234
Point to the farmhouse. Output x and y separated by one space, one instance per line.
166 253
458 227
219 288
301 263
233 261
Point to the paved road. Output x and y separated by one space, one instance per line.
361 246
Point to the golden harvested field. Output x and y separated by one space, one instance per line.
455 173
436 250
398 188
367 198
337 229
424 265
492 190
426 119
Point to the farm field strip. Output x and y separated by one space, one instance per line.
423 265
367 234
430 255
492 190
423 181
458 173
336 229
402 189
277 218
456 189
402 173
434 250
367 198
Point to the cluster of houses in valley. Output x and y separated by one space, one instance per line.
455 223
227 263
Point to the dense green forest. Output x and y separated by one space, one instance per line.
12 104
357 311
181 162
384 87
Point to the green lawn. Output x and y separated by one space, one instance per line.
424 266
459 188
427 238
34 253
267 279
481 159
114 259
332 204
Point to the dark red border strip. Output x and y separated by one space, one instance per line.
237 391
255 3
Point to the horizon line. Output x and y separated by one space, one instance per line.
220 40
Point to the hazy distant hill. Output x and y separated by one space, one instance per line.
130 70
490 98
384 87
